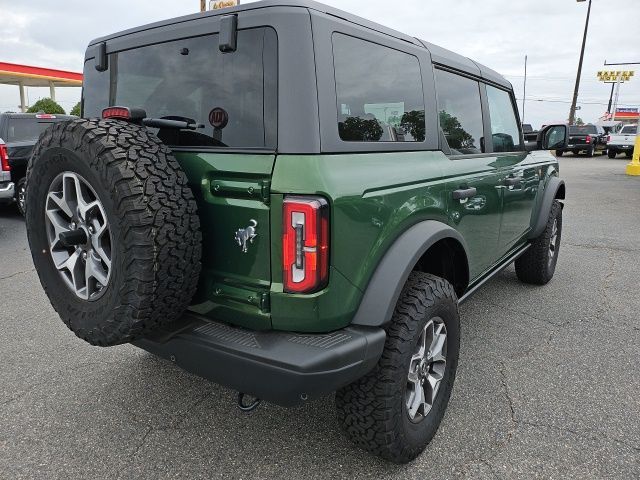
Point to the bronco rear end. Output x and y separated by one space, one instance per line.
267 294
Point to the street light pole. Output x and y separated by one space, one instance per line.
572 112
524 95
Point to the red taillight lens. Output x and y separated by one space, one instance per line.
305 244
121 113
608 138
588 138
4 158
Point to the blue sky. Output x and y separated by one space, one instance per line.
497 33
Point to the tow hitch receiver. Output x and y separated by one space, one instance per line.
247 407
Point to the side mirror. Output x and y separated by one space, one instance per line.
553 137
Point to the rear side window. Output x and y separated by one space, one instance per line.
629 130
232 96
379 92
25 129
505 134
460 112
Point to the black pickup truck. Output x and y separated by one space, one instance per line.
585 138
19 132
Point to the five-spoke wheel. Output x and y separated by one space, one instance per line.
79 235
426 369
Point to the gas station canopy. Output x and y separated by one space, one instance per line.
27 76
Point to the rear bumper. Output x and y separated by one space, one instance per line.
280 367
7 192
621 148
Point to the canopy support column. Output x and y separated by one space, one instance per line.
23 105
52 91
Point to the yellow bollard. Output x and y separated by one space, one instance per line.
633 168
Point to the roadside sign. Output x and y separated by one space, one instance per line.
218 4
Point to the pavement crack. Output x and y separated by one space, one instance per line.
601 247
587 435
507 395
15 274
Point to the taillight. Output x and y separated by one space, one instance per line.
120 113
588 138
305 244
4 158
608 138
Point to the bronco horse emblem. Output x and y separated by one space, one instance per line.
246 235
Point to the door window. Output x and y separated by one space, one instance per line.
380 104
460 112
505 134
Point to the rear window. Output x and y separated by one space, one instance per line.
25 129
381 104
191 79
629 130
583 130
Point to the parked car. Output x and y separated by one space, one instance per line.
585 138
20 132
622 142
279 217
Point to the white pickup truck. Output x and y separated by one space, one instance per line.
622 141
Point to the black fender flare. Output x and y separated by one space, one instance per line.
550 194
390 276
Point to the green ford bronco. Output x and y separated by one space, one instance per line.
290 200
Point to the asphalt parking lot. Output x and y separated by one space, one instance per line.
548 384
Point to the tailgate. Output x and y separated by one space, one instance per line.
577 140
232 191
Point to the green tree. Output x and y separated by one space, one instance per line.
579 121
75 110
356 129
413 122
46 105
457 137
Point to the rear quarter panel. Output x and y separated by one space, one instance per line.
374 198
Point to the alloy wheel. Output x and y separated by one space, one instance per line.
426 369
79 235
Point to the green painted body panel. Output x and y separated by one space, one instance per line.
374 198
231 190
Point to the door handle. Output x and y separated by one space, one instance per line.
464 193
513 181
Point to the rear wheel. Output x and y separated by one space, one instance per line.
612 153
538 264
395 410
628 154
590 152
113 229
559 153
20 195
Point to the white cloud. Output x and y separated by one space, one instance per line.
497 33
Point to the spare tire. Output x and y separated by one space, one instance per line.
113 229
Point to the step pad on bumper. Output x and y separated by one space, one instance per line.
281 367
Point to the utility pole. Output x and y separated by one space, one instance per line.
524 95
572 112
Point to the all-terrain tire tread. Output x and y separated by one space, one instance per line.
157 214
367 409
533 266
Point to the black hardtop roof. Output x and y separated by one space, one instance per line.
440 55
